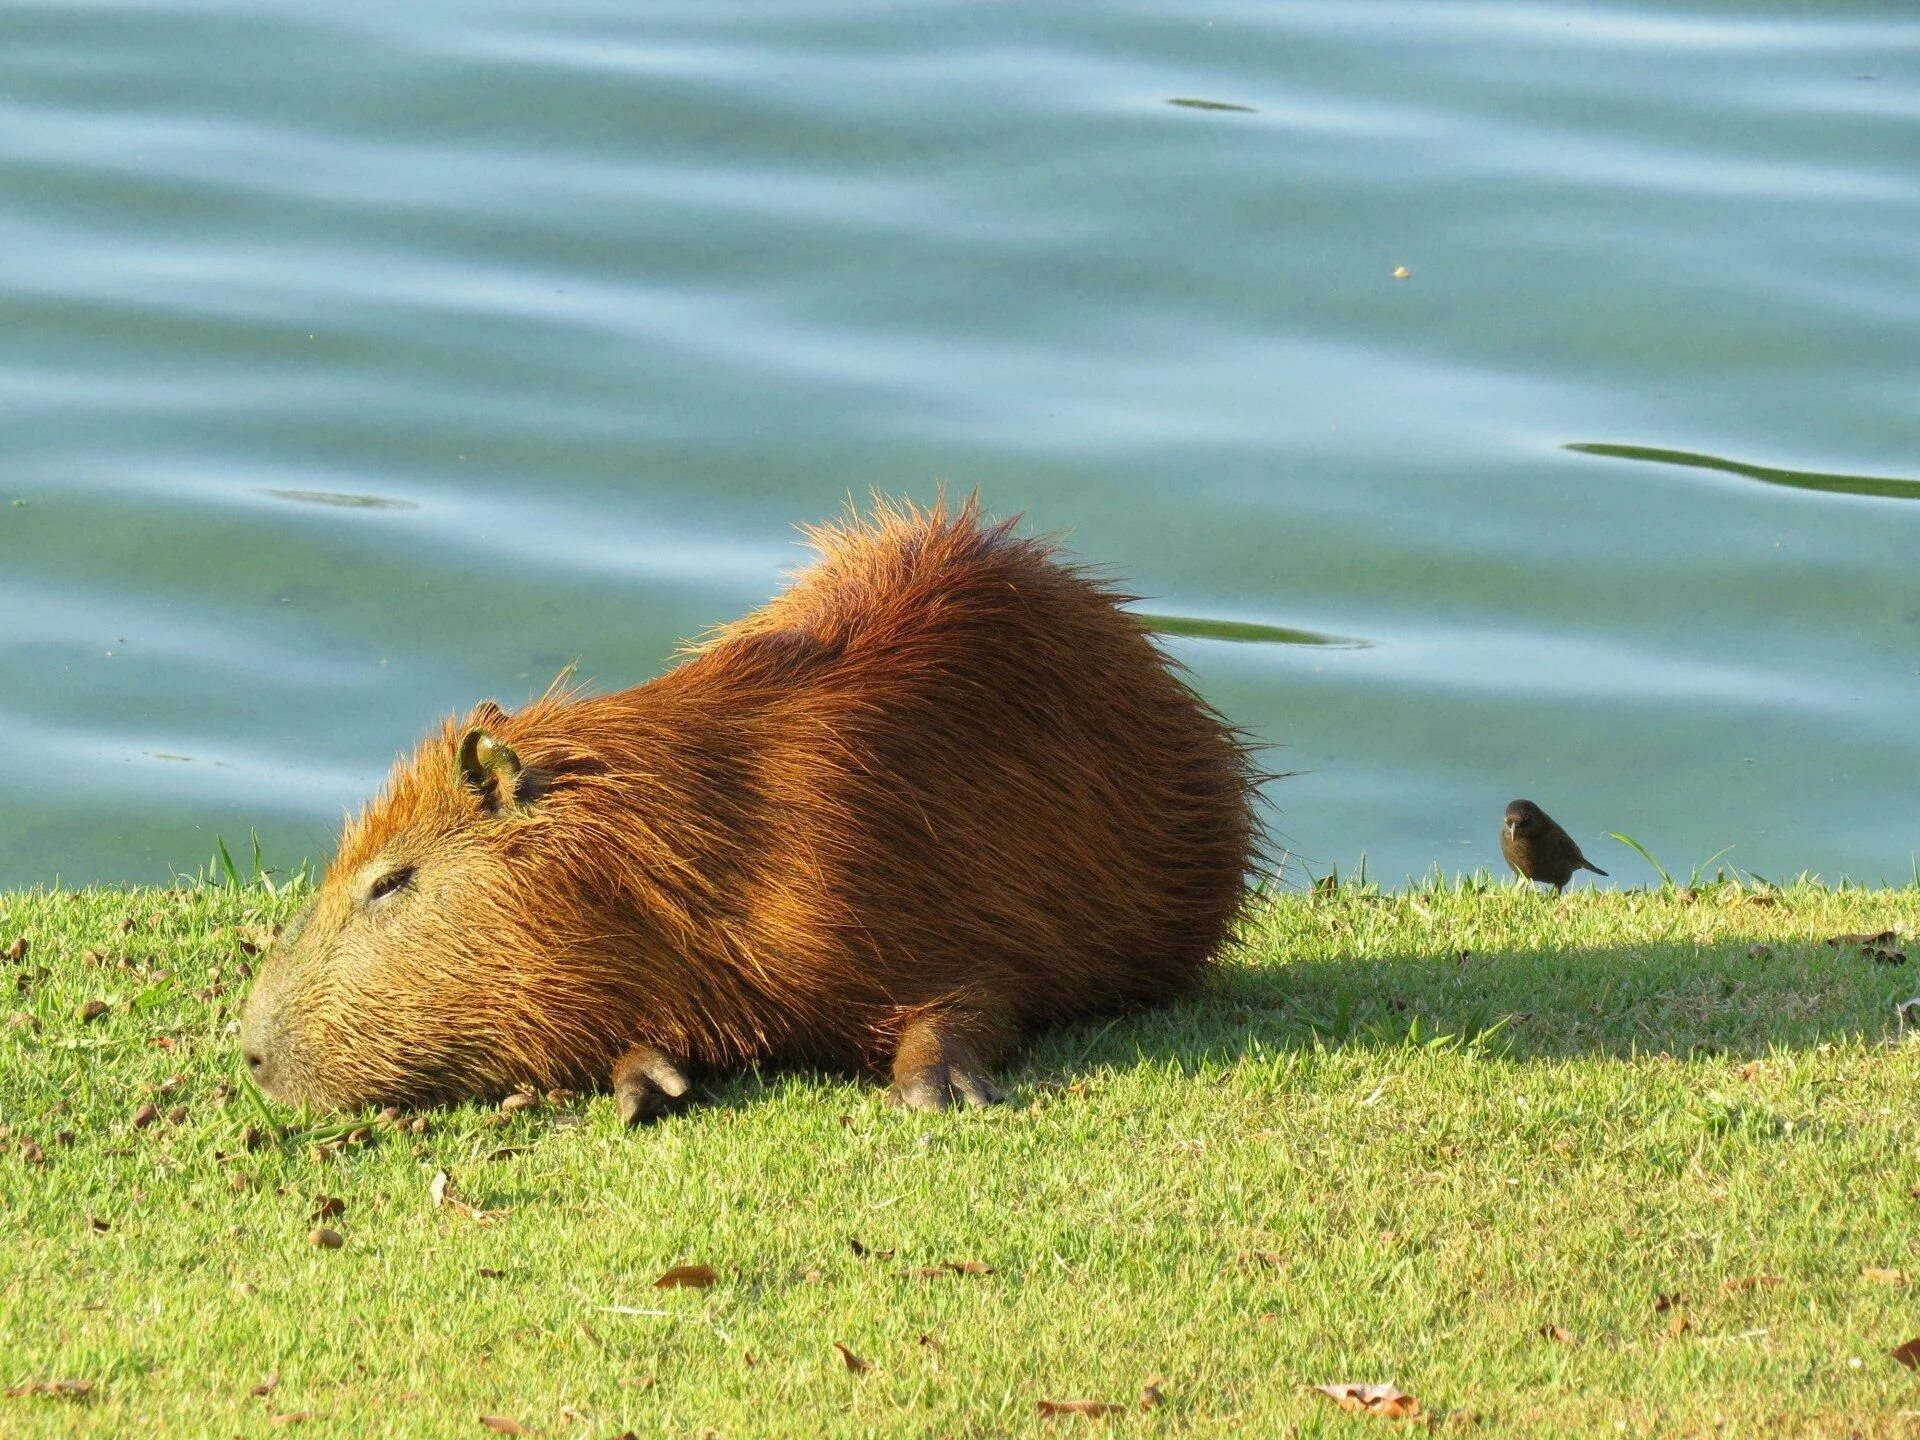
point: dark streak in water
(1192, 104)
(1885, 487)
(342, 501)
(1245, 632)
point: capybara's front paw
(647, 1085)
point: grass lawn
(1406, 1137)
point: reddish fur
(943, 772)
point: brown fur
(942, 787)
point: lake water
(361, 361)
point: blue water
(363, 361)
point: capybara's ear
(490, 769)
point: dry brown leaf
(519, 1100)
(1884, 1277)
(1748, 1071)
(1750, 1282)
(1559, 1335)
(1873, 937)
(1150, 1396)
(1907, 1354)
(93, 1009)
(326, 1239)
(290, 1417)
(855, 1365)
(1664, 1302)
(268, 1385)
(1081, 1407)
(1253, 1258)
(17, 951)
(63, 1389)
(687, 1277)
(967, 1267)
(502, 1425)
(438, 1187)
(486, 1273)
(99, 1225)
(1678, 1324)
(1386, 1400)
(328, 1207)
(863, 1250)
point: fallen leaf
(63, 1389)
(1081, 1407)
(485, 1274)
(268, 1385)
(1666, 1302)
(687, 1277)
(1559, 1335)
(1260, 1257)
(967, 1267)
(291, 1417)
(327, 1207)
(930, 1342)
(1907, 1354)
(1386, 1400)
(1748, 1070)
(1678, 1324)
(1884, 1277)
(1759, 952)
(1876, 937)
(1885, 957)
(17, 951)
(519, 1100)
(99, 1226)
(501, 1425)
(326, 1239)
(863, 1251)
(438, 1186)
(1750, 1282)
(1150, 1396)
(93, 1009)
(853, 1362)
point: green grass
(1404, 1133)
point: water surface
(358, 362)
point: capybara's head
(433, 962)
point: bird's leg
(647, 1083)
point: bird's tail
(1586, 864)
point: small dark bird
(1538, 848)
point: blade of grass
(1645, 854)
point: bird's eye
(388, 883)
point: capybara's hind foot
(647, 1084)
(941, 1063)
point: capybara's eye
(389, 882)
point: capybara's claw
(944, 1087)
(647, 1085)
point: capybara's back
(939, 793)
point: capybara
(939, 793)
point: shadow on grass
(1745, 993)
